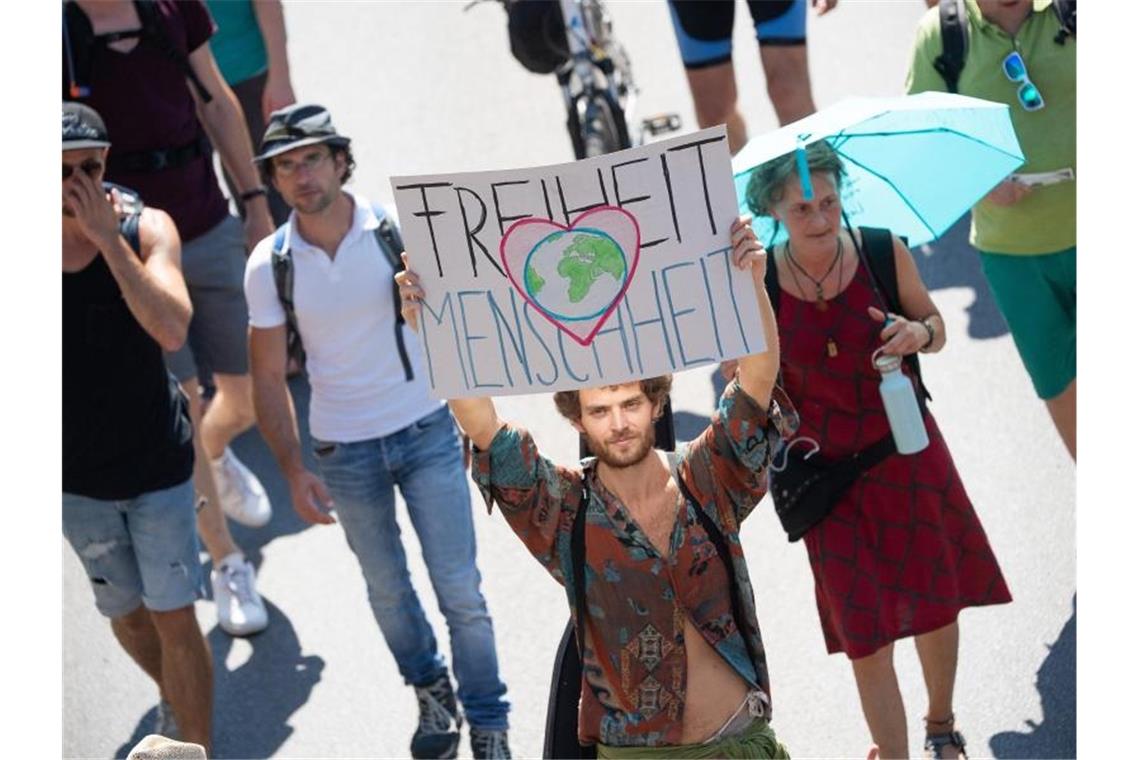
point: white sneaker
(240, 609)
(241, 493)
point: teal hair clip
(802, 166)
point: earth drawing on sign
(574, 276)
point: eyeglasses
(289, 167)
(90, 167)
(1027, 94)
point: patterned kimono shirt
(634, 670)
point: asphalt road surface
(424, 87)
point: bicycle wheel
(603, 127)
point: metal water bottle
(901, 405)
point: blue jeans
(425, 461)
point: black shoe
(437, 735)
(491, 745)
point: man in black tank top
(128, 503)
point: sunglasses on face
(1027, 93)
(288, 167)
(90, 167)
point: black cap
(83, 128)
(297, 126)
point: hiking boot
(437, 735)
(242, 496)
(164, 723)
(491, 745)
(240, 609)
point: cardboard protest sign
(591, 273)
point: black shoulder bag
(805, 487)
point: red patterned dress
(902, 552)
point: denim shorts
(140, 550)
(213, 265)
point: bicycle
(592, 69)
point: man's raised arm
(478, 418)
(757, 372)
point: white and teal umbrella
(915, 163)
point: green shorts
(1037, 296)
(757, 742)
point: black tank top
(126, 426)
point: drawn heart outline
(608, 219)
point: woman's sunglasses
(1027, 94)
(90, 167)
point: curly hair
(656, 388)
(265, 167)
(766, 186)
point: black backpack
(391, 245)
(877, 254)
(956, 39)
(79, 43)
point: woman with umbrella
(901, 551)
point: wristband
(249, 195)
(929, 334)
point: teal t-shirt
(237, 46)
(1045, 221)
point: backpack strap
(281, 258)
(878, 252)
(955, 41)
(392, 245)
(772, 282)
(154, 30)
(578, 565)
(721, 544)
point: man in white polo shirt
(324, 281)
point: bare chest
(657, 518)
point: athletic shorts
(1037, 296)
(704, 29)
(213, 265)
(141, 550)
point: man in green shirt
(1026, 232)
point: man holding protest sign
(324, 281)
(673, 658)
(646, 543)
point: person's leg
(781, 34)
(230, 413)
(704, 37)
(187, 673)
(212, 527)
(136, 633)
(789, 87)
(1063, 409)
(221, 320)
(882, 702)
(1037, 295)
(434, 485)
(162, 529)
(714, 100)
(357, 477)
(938, 655)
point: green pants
(757, 741)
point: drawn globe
(575, 275)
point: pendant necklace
(820, 303)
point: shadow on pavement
(254, 701)
(1056, 734)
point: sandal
(946, 736)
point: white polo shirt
(346, 317)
